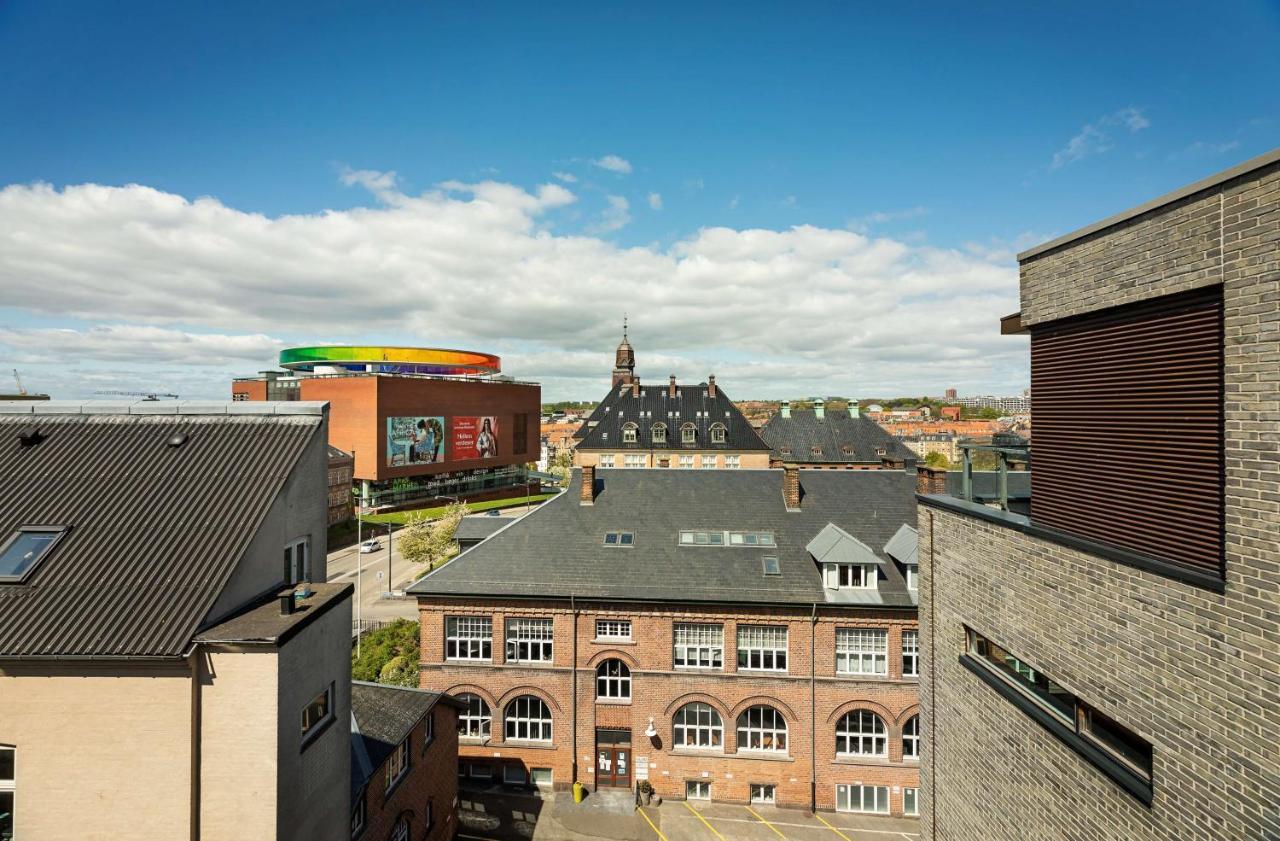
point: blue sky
(941, 138)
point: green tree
(389, 654)
(430, 542)
(562, 466)
(937, 459)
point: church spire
(624, 360)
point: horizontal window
(698, 646)
(619, 538)
(468, 638)
(613, 629)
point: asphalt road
(372, 580)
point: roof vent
(177, 439)
(31, 438)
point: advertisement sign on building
(475, 437)
(415, 440)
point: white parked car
(370, 546)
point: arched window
(698, 725)
(911, 738)
(762, 728)
(528, 720)
(861, 733)
(688, 434)
(659, 433)
(629, 433)
(474, 720)
(717, 433)
(613, 681)
(401, 830)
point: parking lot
(687, 821)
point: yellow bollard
(579, 792)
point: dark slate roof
(558, 550)
(337, 454)
(381, 717)
(263, 623)
(155, 530)
(690, 405)
(986, 484)
(478, 528)
(835, 432)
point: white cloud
(615, 217)
(1097, 137)
(566, 177)
(371, 179)
(733, 202)
(862, 224)
(1203, 149)
(613, 163)
(789, 201)
(655, 201)
(166, 292)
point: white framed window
(911, 738)
(632, 461)
(474, 720)
(717, 433)
(605, 460)
(529, 640)
(613, 681)
(480, 772)
(910, 802)
(707, 461)
(732, 462)
(513, 775)
(762, 728)
(913, 576)
(468, 638)
(629, 433)
(397, 764)
(861, 733)
(686, 462)
(850, 576)
(697, 725)
(297, 561)
(910, 653)
(697, 790)
(317, 714)
(862, 651)
(428, 730)
(762, 647)
(8, 789)
(613, 629)
(528, 720)
(751, 538)
(698, 646)
(688, 434)
(659, 433)
(702, 538)
(874, 799)
(429, 814)
(766, 793)
(401, 831)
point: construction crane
(22, 391)
(145, 395)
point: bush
(389, 655)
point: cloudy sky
(826, 202)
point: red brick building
(403, 747)
(742, 636)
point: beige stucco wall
(99, 756)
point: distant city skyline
(827, 202)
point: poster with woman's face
(415, 440)
(475, 438)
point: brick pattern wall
(658, 690)
(1192, 671)
(432, 778)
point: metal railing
(1011, 450)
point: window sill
(766, 755)
(529, 664)
(316, 732)
(1126, 779)
(474, 740)
(707, 751)
(614, 702)
(523, 744)
(864, 675)
(395, 784)
(608, 641)
(855, 759)
(707, 669)
(782, 672)
(469, 661)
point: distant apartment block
(1019, 405)
(922, 446)
(166, 670)
(1104, 665)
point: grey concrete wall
(1195, 672)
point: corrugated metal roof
(155, 530)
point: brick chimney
(671, 387)
(891, 463)
(711, 386)
(635, 387)
(791, 487)
(931, 480)
(588, 485)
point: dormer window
(717, 433)
(688, 434)
(847, 450)
(628, 433)
(817, 451)
(913, 577)
(659, 433)
(849, 576)
(25, 549)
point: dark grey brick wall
(1196, 673)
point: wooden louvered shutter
(1127, 437)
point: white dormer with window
(629, 431)
(688, 434)
(659, 433)
(846, 562)
(717, 433)
(849, 576)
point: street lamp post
(359, 546)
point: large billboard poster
(415, 440)
(475, 437)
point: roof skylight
(25, 549)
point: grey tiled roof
(842, 439)
(478, 528)
(558, 550)
(155, 530)
(381, 717)
(986, 484)
(692, 404)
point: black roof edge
(636, 600)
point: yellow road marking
(766, 823)
(704, 821)
(650, 823)
(832, 828)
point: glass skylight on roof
(26, 548)
(619, 538)
(771, 566)
(722, 538)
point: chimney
(931, 480)
(785, 409)
(819, 408)
(588, 485)
(635, 387)
(671, 387)
(791, 487)
(286, 605)
(711, 386)
(891, 463)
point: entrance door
(613, 758)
